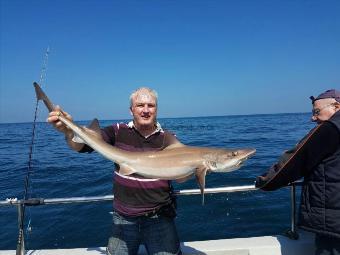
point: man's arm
(171, 142)
(321, 145)
(300, 161)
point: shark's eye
(234, 153)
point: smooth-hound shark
(173, 163)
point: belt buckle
(150, 214)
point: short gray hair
(151, 91)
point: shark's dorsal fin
(94, 125)
(200, 177)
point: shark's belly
(166, 172)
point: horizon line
(183, 117)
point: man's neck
(145, 130)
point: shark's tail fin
(42, 96)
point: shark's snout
(244, 155)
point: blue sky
(205, 58)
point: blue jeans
(158, 233)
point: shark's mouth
(240, 163)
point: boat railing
(291, 233)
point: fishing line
(20, 244)
(28, 184)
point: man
(144, 209)
(317, 159)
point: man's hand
(58, 125)
(53, 118)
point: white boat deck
(264, 245)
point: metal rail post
(292, 233)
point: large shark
(176, 162)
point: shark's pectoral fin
(77, 139)
(200, 177)
(174, 146)
(125, 170)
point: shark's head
(228, 160)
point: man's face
(144, 109)
(323, 109)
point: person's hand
(264, 178)
(54, 120)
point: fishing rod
(21, 208)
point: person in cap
(316, 158)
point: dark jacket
(317, 159)
(320, 198)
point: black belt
(152, 213)
(167, 210)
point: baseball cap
(331, 93)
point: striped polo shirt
(135, 195)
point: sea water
(58, 172)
